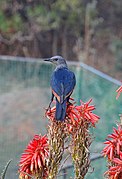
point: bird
(62, 84)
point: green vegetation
(78, 30)
(116, 48)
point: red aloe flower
(115, 172)
(114, 145)
(113, 151)
(109, 149)
(119, 91)
(84, 111)
(33, 160)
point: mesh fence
(24, 95)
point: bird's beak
(47, 59)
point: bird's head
(57, 60)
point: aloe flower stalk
(81, 141)
(33, 160)
(56, 137)
(79, 120)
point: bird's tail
(60, 110)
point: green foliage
(60, 13)
(11, 24)
(92, 13)
(5, 170)
(116, 48)
(54, 14)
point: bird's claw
(69, 103)
(48, 109)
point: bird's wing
(70, 84)
(62, 83)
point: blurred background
(89, 35)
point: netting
(24, 95)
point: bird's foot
(48, 109)
(69, 103)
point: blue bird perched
(62, 83)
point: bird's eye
(56, 59)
